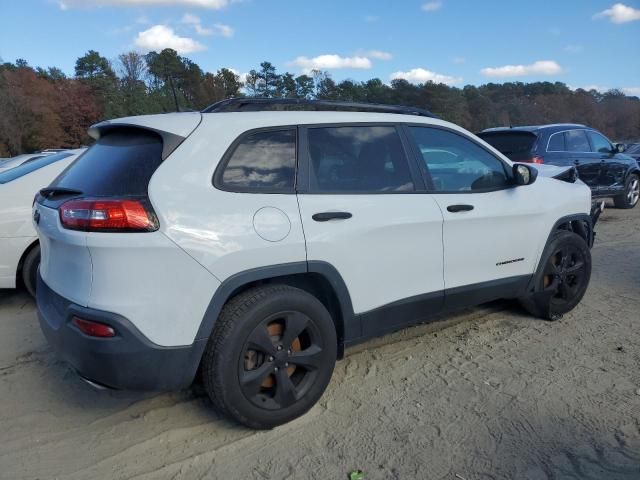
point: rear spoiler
(170, 141)
(173, 128)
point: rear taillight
(93, 329)
(535, 159)
(112, 215)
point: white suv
(253, 245)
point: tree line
(43, 107)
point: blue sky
(583, 43)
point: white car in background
(12, 162)
(19, 248)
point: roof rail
(297, 104)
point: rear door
(362, 213)
(490, 231)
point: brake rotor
(275, 331)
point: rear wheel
(562, 278)
(631, 195)
(270, 357)
(30, 270)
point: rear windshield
(118, 164)
(511, 144)
(31, 165)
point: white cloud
(432, 6)
(619, 13)
(331, 61)
(223, 30)
(573, 48)
(379, 55)
(159, 37)
(212, 4)
(541, 67)
(218, 28)
(633, 91)
(421, 75)
(195, 22)
(458, 60)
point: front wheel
(562, 278)
(271, 355)
(631, 194)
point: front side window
(599, 143)
(262, 162)
(576, 141)
(556, 143)
(358, 159)
(456, 163)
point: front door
(491, 228)
(587, 162)
(612, 165)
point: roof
(244, 104)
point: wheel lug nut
(275, 369)
(271, 359)
(279, 347)
(288, 352)
(286, 364)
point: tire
(629, 198)
(270, 356)
(30, 270)
(562, 277)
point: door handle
(459, 208)
(326, 216)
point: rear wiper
(51, 192)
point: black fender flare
(350, 324)
(588, 235)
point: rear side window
(262, 162)
(515, 145)
(118, 164)
(556, 143)
(576, 141)
(456, 164)
(358, 159)
(31, 165)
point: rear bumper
(129, 361)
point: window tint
(118, 164)
(456, 163)
(576, 141)
(263, 161)
(556, 143)
(31, 166)
(358, 159)
(599, 143)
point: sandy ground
(489, 394)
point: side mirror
(619, 148)
(524, 174)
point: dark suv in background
(600, 164)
